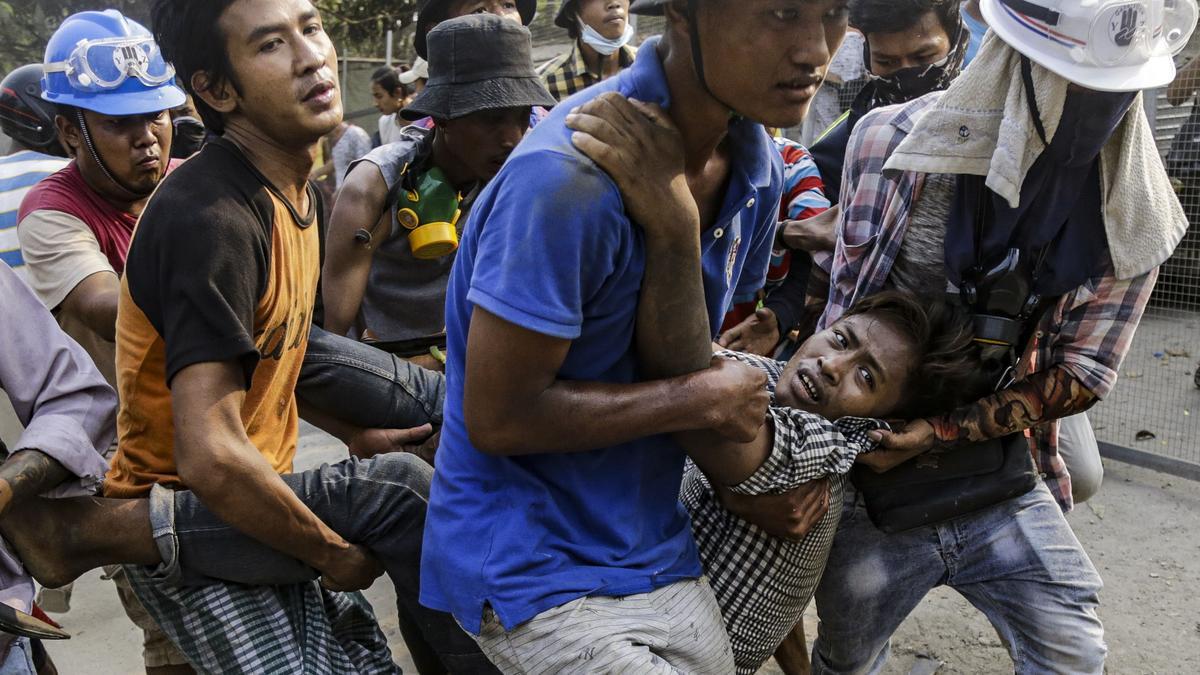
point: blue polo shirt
(549, 248)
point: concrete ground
(1140, 531)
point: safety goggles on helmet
(1108, 32)
(100, 65)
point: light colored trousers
(674, 629)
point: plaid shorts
(233, 628)
(157, 650)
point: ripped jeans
(1018, 562)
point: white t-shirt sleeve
(59, 251)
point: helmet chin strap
(693, 13)
(87, 141)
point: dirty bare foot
(59, 539)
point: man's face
(768, 57)
(924, 43)
(504, 8)
(385, 103)
(607, 17)
(483, 140)
(135, 148)
(858, 367)
(286, 69)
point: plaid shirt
(761, 582)
(1088, 332)
(568, 73)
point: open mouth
(322, 92)
(810, 385)
(801, 86)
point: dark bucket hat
(565, 18)
(649, 7)
(478, 62)
(430, 12)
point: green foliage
(26, 25)
(358, 27)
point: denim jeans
(19, 659)
(1018, 562)
(367, 387)
(378, 503)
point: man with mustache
(74, 226)
(601, 32)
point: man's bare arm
(218, 462)
(515, 404)
(94, 301)
(640, 148)
(360, 205)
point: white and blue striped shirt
(19, 172)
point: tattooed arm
(1086, 351)
(1041, 397)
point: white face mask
(601, 44)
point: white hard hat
(1106, 45)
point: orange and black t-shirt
(221, 268)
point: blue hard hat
(109, 64)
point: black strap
(693, 12)
(1043, 14)
(1027, 77)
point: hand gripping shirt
(549, 247)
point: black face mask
(1089, 119)
(907, 84)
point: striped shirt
(803, 189)
(763, 583)
(1088, 332)
(568, 73)
(19, 172)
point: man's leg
(674, 629)
(1022, 566)
(378, 503)
(367, 387)
(872, 581)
